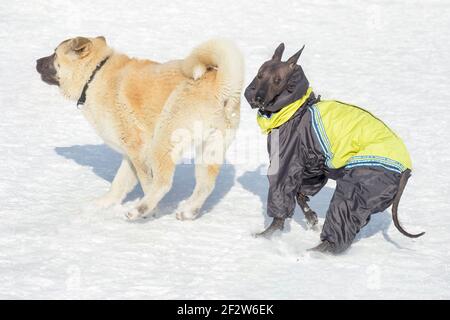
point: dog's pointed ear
(292, 61)
(81, 46)
(101, 38)
(278, 52)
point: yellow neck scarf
(277, 119)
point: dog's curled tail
(403, 180)
(222, 55)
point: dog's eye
(277, 80)
(259, 76)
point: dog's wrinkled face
(272, 79)
(70, 61)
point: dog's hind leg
(143, 172)
(210, 155)
(163, 169)
(362, 191)
(205, 178)
(124, 181)
(156, 168)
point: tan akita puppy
(150, 112)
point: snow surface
(388, 56)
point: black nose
(39, 63)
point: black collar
(82, 98)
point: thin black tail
(403, 180)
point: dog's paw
(132, 215)
(311, 218)
(141, 211)
(187, 214)
(187, 211)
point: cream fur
(138, 106)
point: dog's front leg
(277, 224)
(124, 181)
(310, 215)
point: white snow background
(391, 57)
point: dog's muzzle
(45, 67)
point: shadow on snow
(105, 162)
